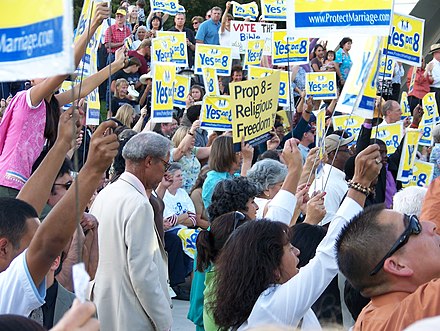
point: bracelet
(358, 187)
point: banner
(289, 50)
(213, 56)
(247, 10)
(241, 32)
(365, 103)
(351, 124)
(273, 10)
(254, 104)
(408, 156)
(323, 17)
(358, 75)
(254, 53)
(160, 50)
(36, 39)
(421, 175)
(321, 85)
(320, 132)
(177, 47)
(258, 72)
(162, 93)
(405, 40)
(404, 105)
(210, 80)
(430, 113)
(386, 71)
(170, 7)
(390, 134)
(216, 113)
(182, 87)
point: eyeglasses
(194, 23)
(166, 164)
(65, 185)
(414, 227)
(238, 216)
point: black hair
(52, 118)
(306, 237)
(13, 216)
(344, 41)
(193, 113)
(154, 18)
(9, 322)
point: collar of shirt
(135, 182)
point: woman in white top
(225, 31)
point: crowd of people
(271, 235)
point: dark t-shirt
(116, 103)
(131, 78)
(317, 62)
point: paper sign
(273, 10)
(210, 80)
(247, 10)
(288, 50)
(177, 47)
(254, 52)
(241, 32)
(213, 56)
(408, 156)
(216, 113)
(181, 90)
(258, 72)
(162, 93)
(321, 85)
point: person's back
(129, 250)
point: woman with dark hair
(30, 121)
(155, 25)
(318, 58)
(224, 162)
(209, 245)
(343, 61)
(234, 194)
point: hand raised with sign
(417, 115)
(367, 165)
(102, 12)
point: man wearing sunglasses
(392, 258)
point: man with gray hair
(409, 200)
(131, 283)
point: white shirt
(279, 209)
(18, 293)
(225, 40)
(288, 303)
(336, 189)
(436, 74)
(177, 204)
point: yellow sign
(320, 132)
(430, 112)
(216, 113)
(253, 53)
(162, 94)
(247, 10)
(170, 7)
(213, 56)
(254, 104)
(321, 85)
(421, 175)
(177, 47)
(181, 90)
(408, 155)
(405, 40)
(404, 105)
(258, 72)
(287, 50)
(365, 103)
(413, 80)
(358, 75)
(321, 17)
(390, 134)
(351, 124)
(210, 80)
(386, 67)
(273, 10)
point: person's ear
(394, 266)
(5, 248)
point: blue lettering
(163, 93)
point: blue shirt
(208, 32)
(212, 178)
(344, 61)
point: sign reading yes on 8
(405, 41)
(390, 134)
(321, 85)
(177, 47)
(162, 94)
(287, 50)
(213, 56)
(258, 72)
(216, 113)
(170, 7)
(351, 124)
(273, 10)
(181, 90)
(210, 80)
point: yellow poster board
(216, 113)
(213, 56)
(321, 85)
(162, 93)
(408, 156)
(289, 50)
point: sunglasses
(65, 185)
(166, 164)
(195, 23)
(414, 227)
(238, 217)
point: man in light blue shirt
(208, 30)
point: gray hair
(387, 106)
(409, 200)
(267, 173)
(146, 144)
(436, 134)
(174, 167)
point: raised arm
(37, 189)
(225, 17)
(58, 227)
(46, 88)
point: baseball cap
(332, 141)
(121, 11)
